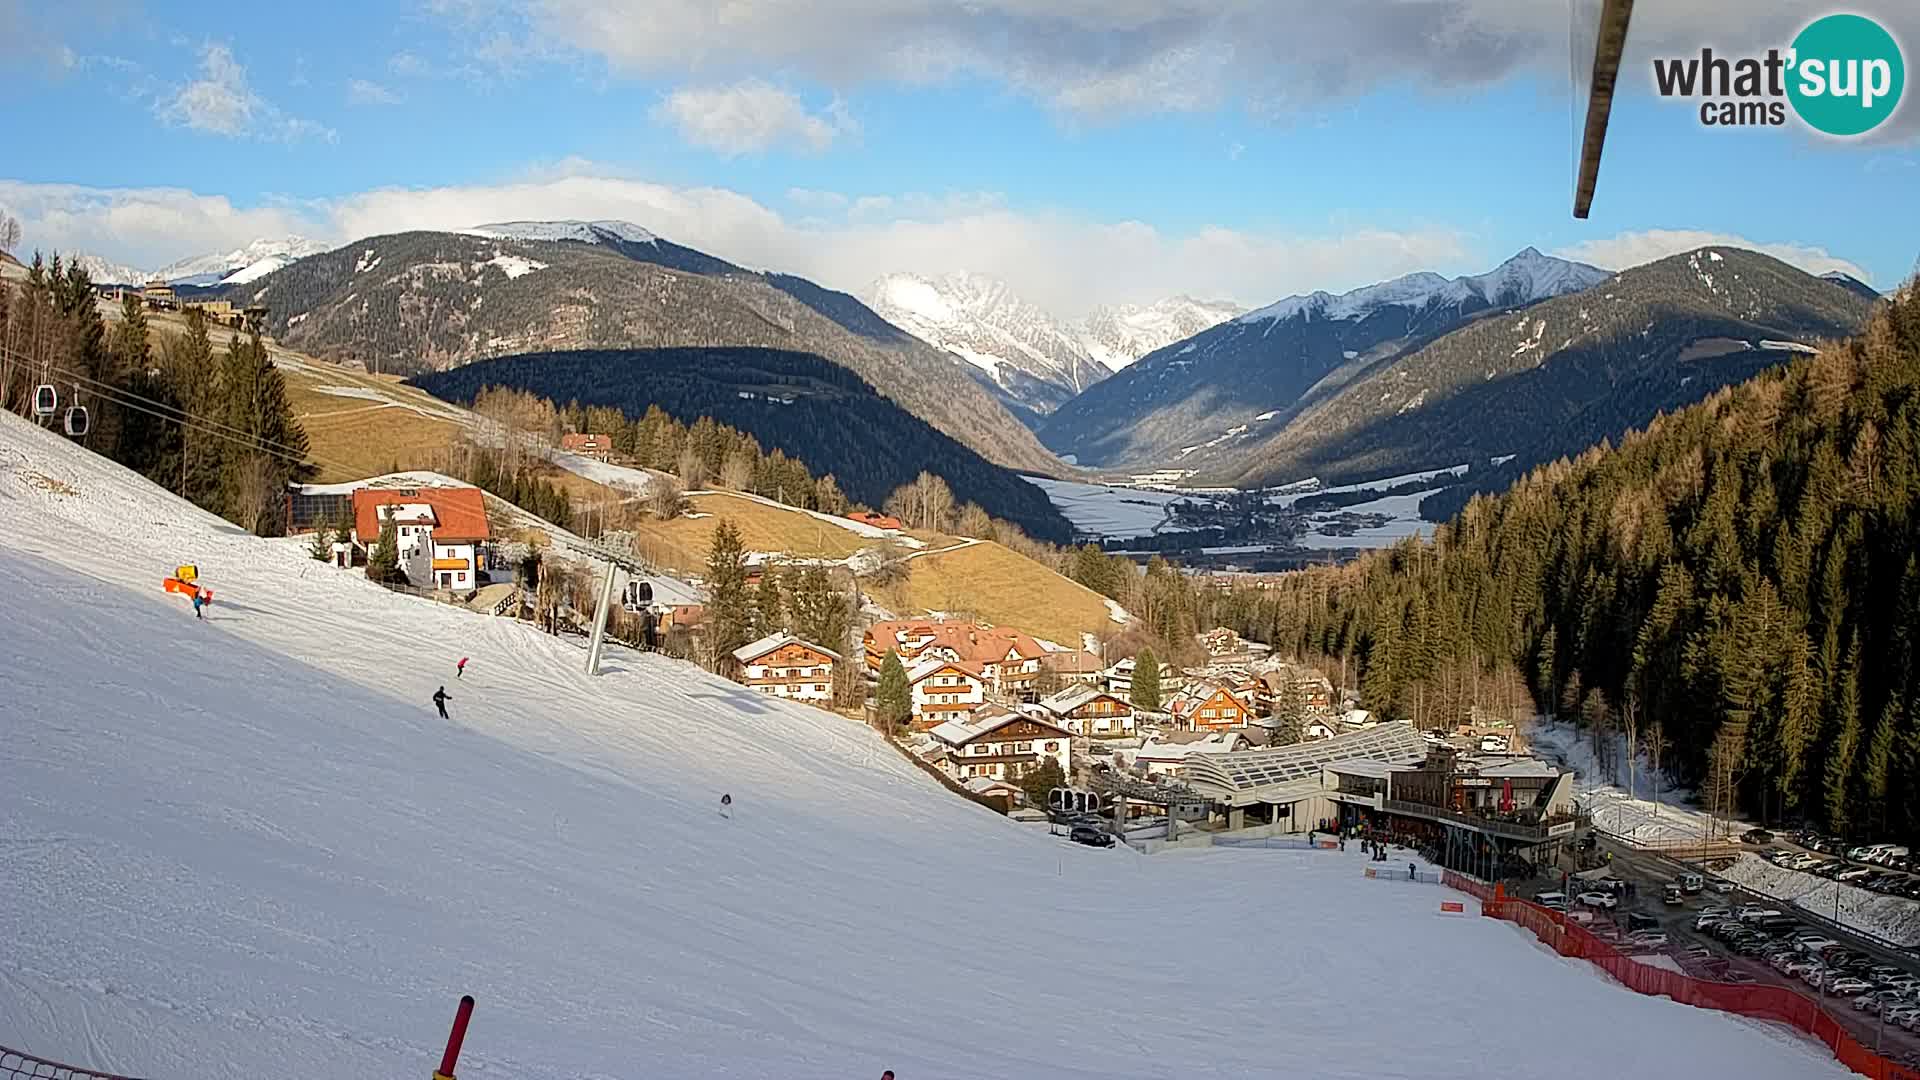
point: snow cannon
(188, 572)
(187, 587)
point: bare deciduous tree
(253, 492)
(665, 499)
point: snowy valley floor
(247, 847)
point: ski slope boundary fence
(15, 1065)
(1775, 1003)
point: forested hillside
(816, 412)
(1559, 376)
(1738, 583)
(424, 301)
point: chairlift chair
(637, 596)
(45, 400)
(76, 420)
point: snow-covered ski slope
(248, 847)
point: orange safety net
(1777, 1003)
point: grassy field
(380, 422)
(683, 542)
(352, 437)
(1002, 587)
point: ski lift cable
(106, 389)
(190, 421)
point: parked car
(1671, 894)
(1692, 883)
(1903, 1015)
(1753, 913)
(1878, 1001)
(1848, 985)
(1647, 938)
(1555, 900)
(1598, 899)
(1756, 836)
(1090, 836)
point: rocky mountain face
(1021, 349)
(1555, 377)
(1117, 336)
(425, 301)
(1199, 401)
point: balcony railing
(1511, 830)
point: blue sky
(1086, 152)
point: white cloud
(1061, 260)
(221, 102)
(751, 116)
(1636, 248)
(362, 92)
(1106, 56)
(140, 226)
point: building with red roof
(442, 532)
(1009, 661)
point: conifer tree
(1846, 739)
(895, 698)
(1146, 681)
(769, 611)
(729, 608)
(383, 562)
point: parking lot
(1872, 989)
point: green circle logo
(1847, 75)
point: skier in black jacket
(440, 699)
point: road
(1649, 871)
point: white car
(1598, 900)
(1647, 938)
(1848, 985)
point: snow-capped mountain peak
(1021, 348)
(585, 232)
(217, 267)
(256, 259)
(1118, 335)
(1523, 279)
(107, 272)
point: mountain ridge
(421, 301)
(1556, 376)
(1187, 400)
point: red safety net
(15, 1065)
(1776, 1003)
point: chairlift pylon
(77, 425)
(46, 400)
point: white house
(781, 665)
(944, 690)
(1091, 711)
(1119, 679)
(1170, 758)
(440, 533)
(1002, 745)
